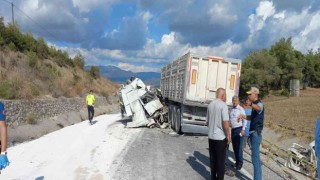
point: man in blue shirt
(3, 137)
(256, 126)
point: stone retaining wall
(18, 111)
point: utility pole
(12, 14)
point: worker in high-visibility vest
(3, 138)
(90, 105)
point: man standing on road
(238, 124)
(256, 126)
(3, 137)
(90, 105)
(219, 133)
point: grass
(293, 116)
(26, 76)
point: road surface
(107, 150)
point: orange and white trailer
(189, 84)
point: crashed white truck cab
(143, 105)
(189, 84)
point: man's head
(91, 91)
(235, 101)
(253, 94)
(221, 94)
(245, 102)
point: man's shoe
(238, 167)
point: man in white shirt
(219, 133)
(238, 124)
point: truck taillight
(232, 80)
(194, 76)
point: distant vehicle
(189, 84)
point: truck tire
(169, 114)
(177, 126)
(173, 116)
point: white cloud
(147, 16)
(133, 68)
(265, 9)
(308, 38)
(86, 6)
(220, 13)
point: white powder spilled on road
(79, 151)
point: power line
(7, 1)
(44, 29)
(36, 23)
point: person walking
(245, 103)
(90, 99)
(4, 162)
(256, 126)
(317, 144)
(238, 124)
(219, 136)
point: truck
(189, 83)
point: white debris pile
(145, 106)
(303, 160)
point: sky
(145, 35)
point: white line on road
(243, 171)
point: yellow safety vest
(90, 99)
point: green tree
(79, 61)
(312, 69)
(42, 48)
(260, 69)
(289, 60)
(94, 72)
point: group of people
(239, 125)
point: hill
(29, 68)
(121, 76)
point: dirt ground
(293, 117)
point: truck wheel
(178, 120)
(169, 114)
(173, 117)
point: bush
(12, 47)
(6, 91)
(31, 118)
(32, 59)
(285, 92)
(105, 94)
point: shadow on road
(198, 166)
(200, 163)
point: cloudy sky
(144, 35)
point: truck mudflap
(146, 106)
(191, 128)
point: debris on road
(303, 160)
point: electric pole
(12, 13)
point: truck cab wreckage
(145, 106)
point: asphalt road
(157, 155)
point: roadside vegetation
(271, 70)
(29, 68)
